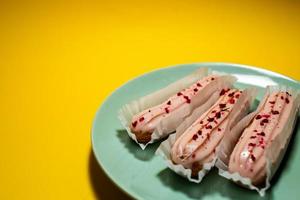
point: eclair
(248, 156)
(158, 114)
(144, 123)
(197, 144)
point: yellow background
(59, 60)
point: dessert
(261, 145)
(194, 145)
(160, 113)
(144, 123)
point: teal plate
(143, 175)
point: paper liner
(274, 153)
(165, 147)
(170, 123)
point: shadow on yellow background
(101, 185)
(59, 60)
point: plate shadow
(211, 185)
(102, 186)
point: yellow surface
(59, 60)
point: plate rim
(201, 64)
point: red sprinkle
(275, 112)
(222, 105)
(261, 133)
(134, 124)
(218, 115)
(195, 136)
(266, 116)
(222, 92)
(199, 85)
(258, 117)
(231, 101)
(255, 130)
(281, 97)
(193, 156)
(287, 100)
(208, 127)
(251, 170)
(213, 111)
(210, 119)
(237, 95)
(141, 119)
(231, 94)
(167, 110)
(199, 132)
(215, 121)
(187, 99)
(179, 94)
(253, 157)
(264, 121)
(201, 122)
(252, 144)
(169, 102)
(195, 90)
(219, 129)
(271, 102)
(252, 137)
(212, 79)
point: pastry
(157, 115)
(191, 152)
(253, 154)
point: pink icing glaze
(248, 157)
(198, 142)
(147, 120)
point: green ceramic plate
(144, 175)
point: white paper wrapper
(274, 153)
(170, 123)
(238, 112)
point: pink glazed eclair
(248, 157)
(144, 123)
(197, 144)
